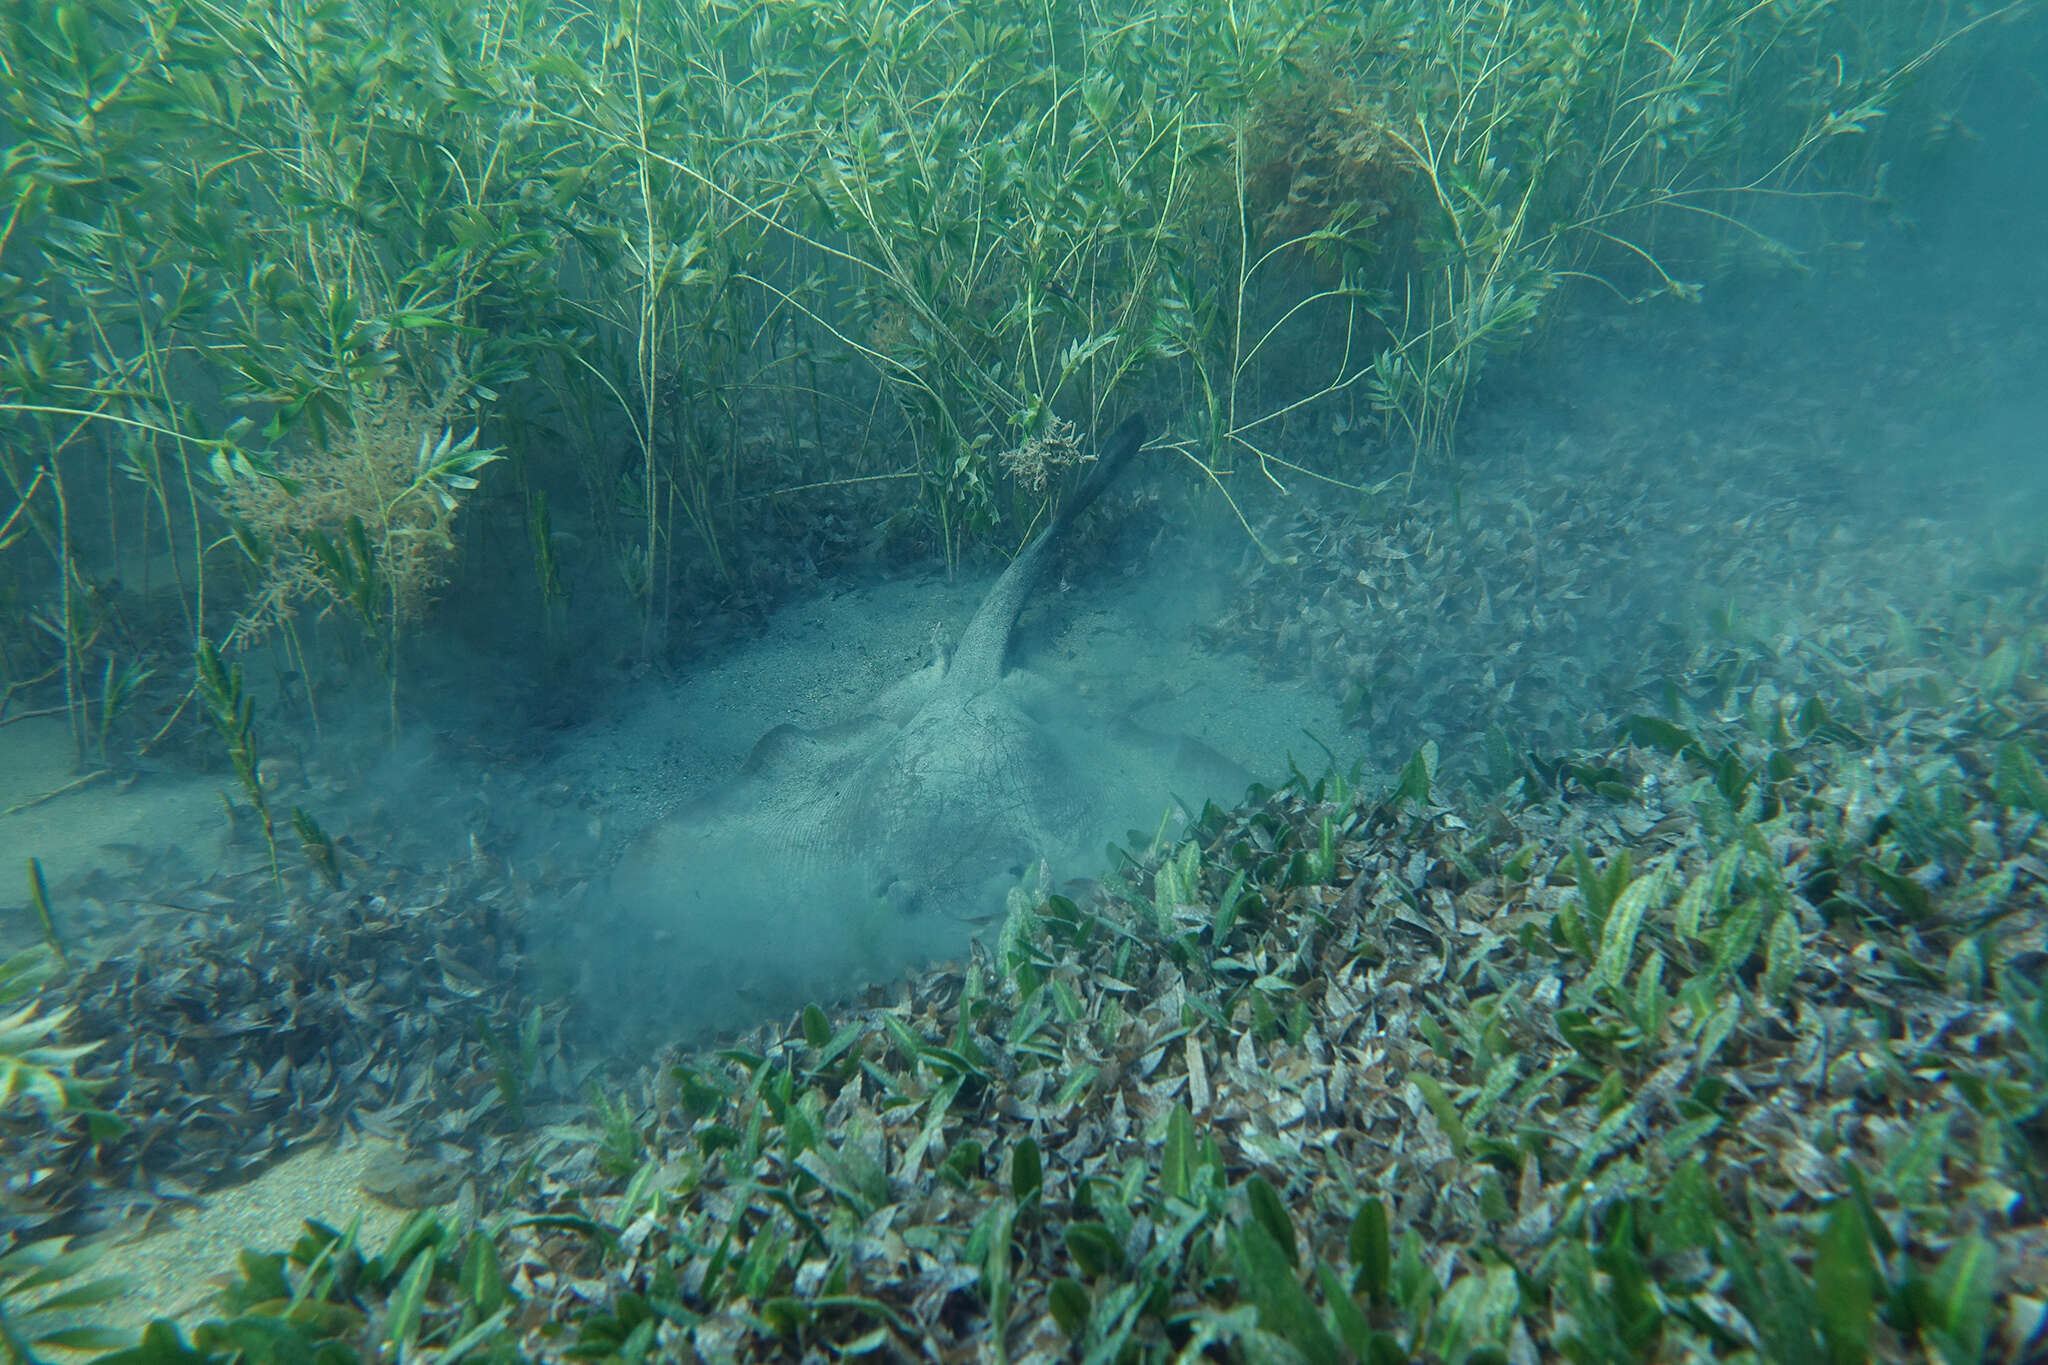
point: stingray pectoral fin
(1218, 774)
(771, 747)
(905, 698)
(653, 868)
(1221, 775)
(788, 745)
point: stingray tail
(1123, 443)
(978, 662)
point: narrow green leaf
(1372, 1250)
(1716, 1028)
(1784, 955)
(402, 1321)
(843, 1042)
(1845, 1284)
(964, 1161)
(1907, 894)
(1685, 1218)
(1735, 939)
(1652, 732)
(1624, 922)
(476, 1336)
(39, 901)
(87, 1337)
(1352, 1327)
(1094, 1248)
(1445, 1111)
(1859, 1189)
(90, 1294)
(908, 1043)
(994, 1234)
(1271, 1214)
(1076, 1086)
(1962, 1297)
(1416, 775)
(2018, 780)
(482, 1281)
(1706, 896)
(1678, 1142)
(1176, 1162)
(1225, 918)
(1070, 1306)
(1266, 1276)
(817, 1030)
(1027, 1174)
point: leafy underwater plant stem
(513, 1061)
(39, 901)
(547, 570)
(318, 845)
(232, 711)
(646, 340)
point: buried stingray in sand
(868, 838)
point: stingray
(952, 786)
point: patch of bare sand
(87, 826)
(176, 1268)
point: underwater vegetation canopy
(278, 281)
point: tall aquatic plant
(96, 439)
(673, 209)
(1622, 143)
(677, 259)
(285, 208)
(364, 528)
(1001, 191)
